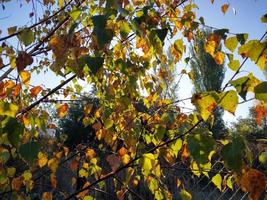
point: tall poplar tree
(208, 76)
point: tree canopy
(118, 47)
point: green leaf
(229, 101)
(185, 195)
(233, 152)
(234, 65)
(245, 84)
(264, 18)
(242, 38)
(217, 180)
(231, 43)
(102, 34)
(26, 36)
(29, 151)
(200, 147)
(263, 159)
(4, 155)
(161, 33)
(221, 32)
(8, 109)
(94, 63)
(201, 19)
(124, 29)
(261, 91)
(13, 129)
(108, 123)
(75, 14)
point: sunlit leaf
(219, 58)
(217, 180)
(25, 77)
(62, 110)
(36, 90)
(224, 8)
(42, 159)
(229, 101)
(234, 65)
(8, 109)
(231, 43)
(185, 195)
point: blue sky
(246, 20)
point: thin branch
(47, 95)
(40, 22)
(244, 61)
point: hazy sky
(245, 20)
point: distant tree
(72, 126)
(208, 76)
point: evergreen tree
(208, 76)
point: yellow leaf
(229, 182)
(88, 108)
(125, 159)
(25, 77)
(210, 47)
(42, 159)
(217, 180)
(8, 109)
(53, 164)
(11, 171)
(62, 110)
(47, 196)
(219, 58)
(224, 8)
(60, 3)
(90, 153)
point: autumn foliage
(118, 48)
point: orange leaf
(90, 153)
(16, 183)
(74, 165)
(224, 8)
(53, 180)
(184, 152)
(62, 110)
(25, 77)
(36, 90)
(219, 58)
(16, 90)
(47, 196)
(122, 151)
(261, 112)
(42, 159)
(252, 181)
